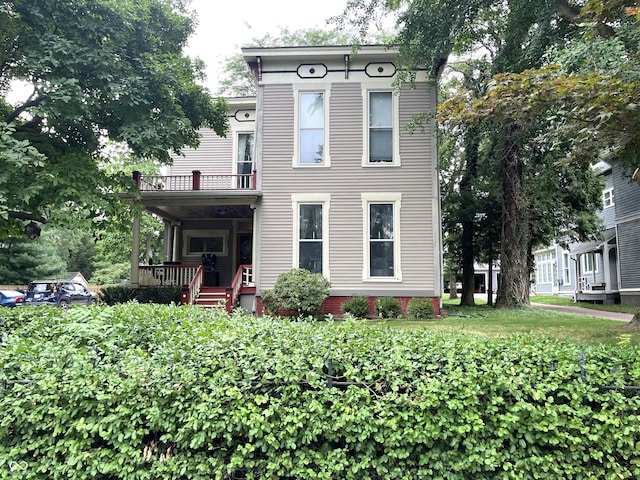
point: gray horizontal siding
(214, 156)
(626, 193)
(629, 253)
(345, 180)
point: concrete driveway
(623, 317)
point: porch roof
(594, 245)
(200, 204)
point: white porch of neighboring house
(208, 237)
(596, 270)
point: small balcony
(195, 181)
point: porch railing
(167, 275)
(243, 278)
(196, 181)
(587, 284)
(190, 293)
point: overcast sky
(225, 27)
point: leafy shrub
(159, 295)
(420, 308)
(152, 391)
(302, 291)
(270, 302)
(387, 307)
(114, 294)
(358, 306)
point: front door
(245, 249)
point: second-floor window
(382, 144)
(607, 198)
(311, 132)
(244, 165)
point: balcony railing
(196, 181)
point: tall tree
(91, 70)
(23, 260)
(512, 36)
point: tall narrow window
(311, 121)
(310, 237)
(607, 198)
(589, 263)
(380, 127)
(381, 240)
(244, 165)
(566, 269)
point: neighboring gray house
(319, 172)
(605, 270)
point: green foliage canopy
(91, 70)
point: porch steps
(212, 297)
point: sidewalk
(623, 317)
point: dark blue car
(60, 293)
(11, 298)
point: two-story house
(320, 171)
(604, 270)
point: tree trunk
(469, 209)
(635, 321)
(513, 288)
(453, 291)
(467, 299)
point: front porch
(191, 278)
(207, 242)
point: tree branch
(26, 216)
(32, 101)
(572, 14)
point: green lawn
(487, 321)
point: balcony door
(244, 162)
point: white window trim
(324, 199)
(236, 143)
(611, 198)
(325, 89)
(583, 263)
(381, 197)
(187, 234)
(566, 269)
(376, 87)
(546, 260)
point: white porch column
(167, 236)
(175, 242)
(135, 253)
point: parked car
(11, 298)
(61, 293)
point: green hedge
(148, 391)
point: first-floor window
(382, 247)
(566, 269)
(545, 264)
(311, 232)
(310, 238)
(588, 262)
(381, 240)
